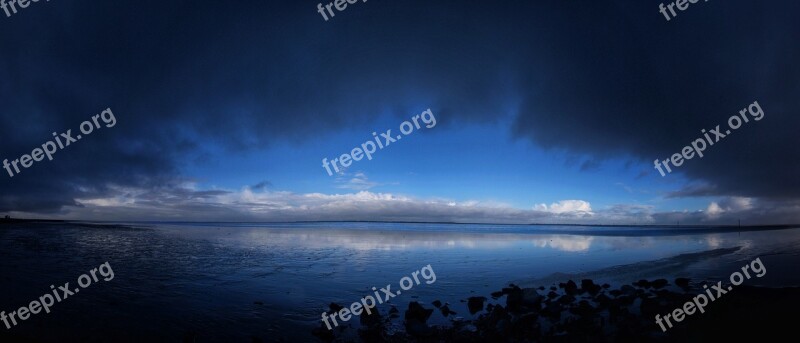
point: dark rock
(583, 309)
(626, 300)
(615, 307)
(323, 333)
(416, 311)
(514, 299)
(662, 293)
(509, 289)
(372, 320)
(571, 288)
(394, 312)
(498, 315)
(603, 300)
(446, 311)
(553, 311)
(682, 283)
(589, 286)
(418, 329)
(531, 298)
(370, 334)
(592, 315)
(652, 306)
(502, 327)
(553, 288)
(628, 290)
(526, 326)
(468, 329)
(566, 299)
(660, 283)
(475, 304)
(335, 307)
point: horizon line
(12, 220)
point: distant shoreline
(657, 226)
(16, 220)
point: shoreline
(646, 226)
(580, 312)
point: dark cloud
(623, 81)
(261, 186)
(694, 190)
(184, 74)
(601, 79)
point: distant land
(660, 226)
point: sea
(271, 282)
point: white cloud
(185, 202)
(566, 207)
(182, 203)
(714, 211)
(737, 204)
(729, 205)
(359, 182)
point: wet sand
(239, 282)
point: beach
(271, 282)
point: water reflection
(215, 273)
(403, 239)
(565, 243)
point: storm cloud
(600, 79)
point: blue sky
(483, 163)
(547, 112)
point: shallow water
(272, 281)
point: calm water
(232, 282)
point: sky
(545, 111)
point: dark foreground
(208, 282)
(587, 312)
